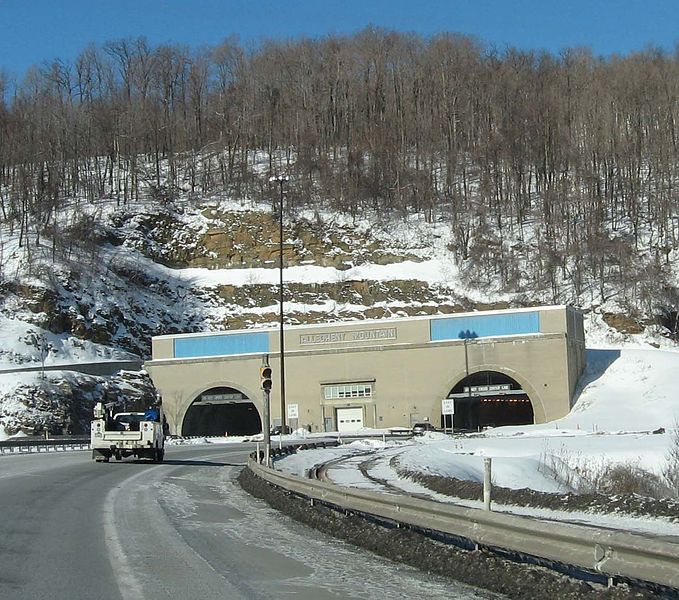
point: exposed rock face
(247, 240)
(623, 323)
(62, 403)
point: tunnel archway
(488, 399)
(221, 411)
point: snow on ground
(627, 413)
(627, 390)
(24, 344)
(626, 395)
(516, 463)
(431, 271)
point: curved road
(74, 529)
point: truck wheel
(99, 456)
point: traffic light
(265, 378)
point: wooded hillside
(557, 174)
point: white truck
(125, 434)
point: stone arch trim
(186, 402)
(535, 398)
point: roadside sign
(448, 406)
(293, 411)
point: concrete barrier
(100, 368)
(29, 445)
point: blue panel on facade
(478, 326)
(221, 345)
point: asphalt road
(74, 529)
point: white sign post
(447, 408)
(293, 416)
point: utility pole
(466, 368)
(281, 179)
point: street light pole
(469, 383)
(281, 179)
(466, 362)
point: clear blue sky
(33, 31)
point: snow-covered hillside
(200, 265)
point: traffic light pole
(266, 430)
(266, 424)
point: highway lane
(75, 529)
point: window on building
(348, 390)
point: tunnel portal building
(492, 368)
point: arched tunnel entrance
(220, 411)
(488, 399)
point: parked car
(281, 430)
(422, 428)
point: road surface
(74, 529)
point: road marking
(129, 586)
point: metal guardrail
(104, 367)
(613, 554)
(29, 445)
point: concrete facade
(396, 370)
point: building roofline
(153, 362)
(274, 327)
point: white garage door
(349, 419)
